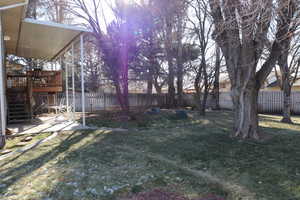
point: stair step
(13, 114)
(13, 111)
(19, 117)
(17, 109)
(13, 100)
(16, 105)
(16, 121)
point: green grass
(110, 165)
(166, 119)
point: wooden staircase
(18, 106)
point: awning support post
(73, 83)
(67, 84)
(2, 86)
(82, 79)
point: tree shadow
(109, 152)
(271, 119)
(12, 175)
(259, 166)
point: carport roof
(31, 38)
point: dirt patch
(159, 194)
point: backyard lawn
(193, 157)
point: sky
(105, 9)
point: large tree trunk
(286, 88)
(246, 112)
(286, 103)
(242, 52)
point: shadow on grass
(269, 168)
(107, 159)
(12, 175)
(269, 118)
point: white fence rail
(98, 101)
(268, 101)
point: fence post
(104, 100)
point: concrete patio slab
(45, 124)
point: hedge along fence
(268, 101)
(100, 101)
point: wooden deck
(38, 81)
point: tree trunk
(202, 110)
(246, 112)
(158, 88)
(150, 80)
(121, 85)
(121, 96)
(286, 88)
(125, 90)
(216, 90)
(171, 87)
(180, 85)
(197, 97)
(206, 90)
(149, 89)
(180, 64)
(171, 75)
(286, 103)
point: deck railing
(19, 81)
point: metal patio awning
(4, 3)
(31, 38)
(45, 39)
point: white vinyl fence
(99, 101)
(268, 101)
